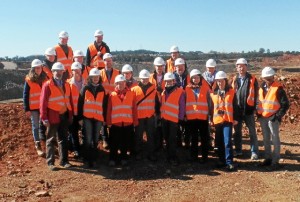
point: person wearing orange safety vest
(64, 54)
(56, 114)
(210, 73)
(223, 115)
(49, 61)
(170, 65)
(197, 111)
(246, 88)
(272, 106)
(127, 71)
(108, 75)
(172, 111)
(31, 99)
(147, 107)
(157, 78)
(96, 51)
(91, 108)
(76, 84)
(121, 117)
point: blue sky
(29, 27)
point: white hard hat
(107, 55)
(50, 51)
(241, 61)
(159, 61)
(179, 61)
(194, 72)
(76, 65)
(36, 63)
(58, 66)
(78, 53)
(221, 75)
(94, 72)
(144, 74)
(169, 76)
(63, 34)
(98, 33)
(127, 68)
(119, 78)
(211, 63)
(174, 49)
(267, 71)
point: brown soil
(23, 175)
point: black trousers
(170, 134)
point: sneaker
(76, 155)
(111, 163)
(237, 153)
(105, 144)
(254, 157)
(266, 162)
(51, 167)
(66, 165)
(40, 153)
(230, 167)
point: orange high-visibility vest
(34, 94)
(86, 72)
(170, 65)
(48, 72)
(66, 60)
(109, 86)
(96, 61)
(269, 104)
(196, 108)
(122, 110)
(58, 100)
(250, 98)
(146, 108)
(170, 107)
(92, 107)
(225, 105)
(74, 95)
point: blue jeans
(250, 123)
(35, 124)
(223, 141)
(92, 129)
(270, 130)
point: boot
(39, 149)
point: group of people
(171, 106)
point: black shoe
(220, 164)
(266, 162)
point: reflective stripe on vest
(225, 105)
(269, 104)
(170, 107)
(122, 110)
(196, 109)
(34, 94)
(58, 100)
(65, 60)
(92, 108)
(109, 86)
(146, 108)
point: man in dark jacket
(246, 88)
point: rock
(42, 193)
(23, 185)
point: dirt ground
(25, 177)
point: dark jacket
(242, 94)
(184, 81)
(94, 90)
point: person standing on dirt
(49, 61)
(223, 115)
(272, 106)
(170, 66)
(157, 78)
(147, 106)
(197, 110)
(172, 111)
(121, 118)
(108, 75)
(246, 88)
(91, 107)
(56, 114)
(31, 100)
(96, 51)
(64, 54)
(76, 84)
